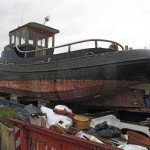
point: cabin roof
(37, 25)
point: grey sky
(124, 21)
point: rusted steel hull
(122, 98)
(99, 79)
(64, 90)
(106, 94)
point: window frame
(19, 37)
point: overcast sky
(124, 21)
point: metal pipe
(69, 45)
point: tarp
(24, 115)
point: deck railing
(70, 44)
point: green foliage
(5, 113)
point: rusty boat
(108, 77)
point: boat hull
(101, 94)
(86, 78)
(62, 90)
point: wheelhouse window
(12, 39)
(50, 40)
(23, 36)
(17, 38)
(41, 40)
(31, 37)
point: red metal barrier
(32, 137)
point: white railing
(70, 44)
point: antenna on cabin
(22, 17)
(46, 19)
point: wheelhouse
(33, 36)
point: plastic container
(65, 124)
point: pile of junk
(104, 130)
